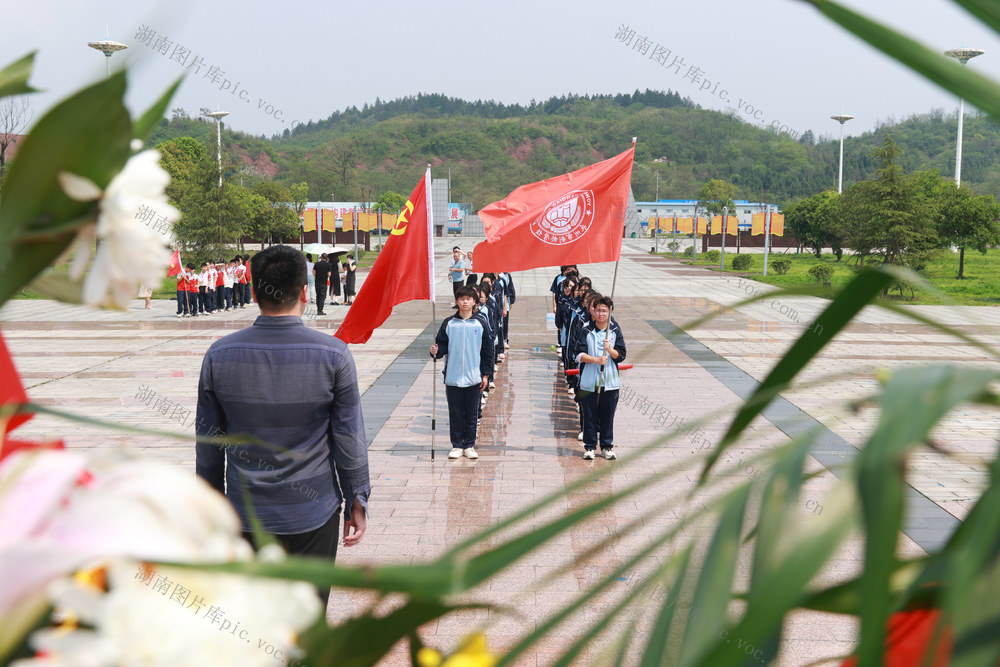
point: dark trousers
(228, 294)
(182, 302)
(320, 300)
(463, 413)
(455, 284)
(506, 326)
(321, 543)
(220, 298)
(209, 299)
(472, 280)
(246, 294)
(598, 409)
(202, 295)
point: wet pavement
(140, 367)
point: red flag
(404, 270)
(175, 264)
(576, 218)
(12, 391)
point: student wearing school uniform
(192, 289)
(465, 339)
(209, 271)
(248, 280)
(599, 350)
(484, 311)
(220, 286)
(227, 284)
(350, 280)
(182, 294)
(510, 295)
(556, 289)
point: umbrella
(316, 248)
(338, 250)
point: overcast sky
(298, 60)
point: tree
(390, 202)
(213, 218)
(275, 218)
(715, 195)
(814, 222)
(15, 114)
(966, 220)
(893, 216)
(343, 155)
(299, 196)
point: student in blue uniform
(599, 349)
(465, 338)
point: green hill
(491, 148)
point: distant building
(684, 208)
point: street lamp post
(218, 116)
(841, 118)
(108, 48)
(962, 55)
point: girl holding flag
(599, 349)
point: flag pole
(614, 279)
(429, 203)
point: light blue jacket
(469, 348)
(591, 342)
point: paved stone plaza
(141, 367)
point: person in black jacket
(321, 270)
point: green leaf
(987, 11)
(87, 135)
(848, 302)
(145, 125)
(14, 77)
(715, 581)
(26, 259)
(947, 73)
(363, 641)
(656, 648)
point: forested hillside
(491, 148)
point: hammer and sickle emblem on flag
(403, 220)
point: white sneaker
(506, 344)
(493, 385)
(471, 453)
(588, 455)
(559, 349)
(579, 436)
(455, 453)
(495, 368)
(609, 454)
(501, 356)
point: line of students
(590, 340)
(475, 340)
(217, 287)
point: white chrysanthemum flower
(131, 251)
(175, 617)
(62, 511)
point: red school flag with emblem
(404, 270)
(175, 264)
(576, 218)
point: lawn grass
(979, 287)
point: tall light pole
(108, 48)
(962, 55)
(841, 118)
(218, 116)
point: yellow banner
(731, 225)
(329, 220)
(367, 222)
(348, 221)
(388, 222)
(778, 224)
(309, 220)
(757, 224)
(684, 225)
(702, 226)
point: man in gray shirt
(296, 389)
